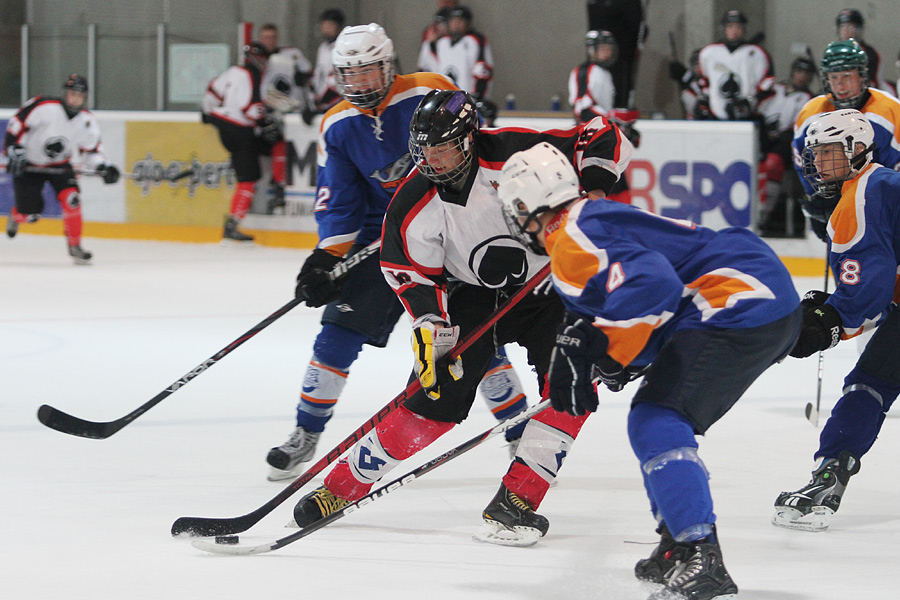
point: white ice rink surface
(90, 519)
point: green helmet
(846, 56)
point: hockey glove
(819, 207)
(17, 162)
(269, 130)
(814, 299)
(579, 345)
(109, 173)
(314, 283)
(676, 70)
(820, 330)
(431, 344)
(613, 375)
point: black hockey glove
(814, 299)
(613, 375)
(677, 70)
(702, 111)
(17, 162)
(579, 345)
(269, 130)
(109, 173)
(821, 330)
(314, 283)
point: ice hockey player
(864, 234)
(448, 255)
(363, 156)
(234, 105)
(42, 139)
(707, 310)
(464, 55)
(845, 81)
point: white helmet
(847, 127)
(359, 47)
(534, 181)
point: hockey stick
(93, 173)
(377, 494)
(66, 423)
(812, 413)
(207, 526)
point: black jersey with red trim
(432, 234)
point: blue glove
(579, 346)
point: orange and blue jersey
(363, 156)
(881, 109)
(865, 249)
(641, 277)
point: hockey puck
(227, 539)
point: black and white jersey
(235, 97)
(468, 62)
(51, 137)
(287, 73)
(323, 84)
(742, 73)
(432, 234)
(782, 108)
(591, 89)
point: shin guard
(242, 199)
(71, 209)
(322, 387)
(399, 436)
(503, 393)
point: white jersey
(234, 96)
(783, 107)
(428, 60)
(323, 85)
(468, 62)
(51, 137)
(591, 89)
(285, 67)
(744, 73)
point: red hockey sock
(399, 436)
(279, 161)
(16, 216)
(243, 197)
(71, 209)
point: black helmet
(335, 15)
(595, 39)
(734, 16)
(462, 12)
(487, 110)
(446, 120)
(76, 82)
(255, 54)
(803, 63)
(849, 15)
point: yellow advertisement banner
(181, 174)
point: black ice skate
(276, 202)
(80, 255)
(810, 508)
(661, 561)
(699, 573)
(231, 232)
(287, 460)
(510, 521)
(12, 228)
(317, 505)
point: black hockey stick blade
(381, 492)
(99, 430)
(210, 526)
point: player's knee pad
(502, 389)
(338, 347)
(69, 200)
(654, 430)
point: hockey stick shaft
(813, 414)
(207, 526)
(93, 173)
(66, 423)
(379, 493)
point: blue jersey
(865, 248)
(641, 277)
(363, 155)
(883, 112)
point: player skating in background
(42, 139)
(448, 255)
(234, 105)
(363, 156)
(707, 310)
(845, 81)
(864, 234)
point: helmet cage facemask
(459, 146)
(832, 187)
(519, 221)
(362, 95)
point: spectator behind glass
(464, 55)
(331, 22)
(849, 24)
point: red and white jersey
(281, 72)
(323, 85)
(468, 62)
(745, 72)
(782, 108)
(591, 88)
(51, 137)
(235, 97)
(434, 234)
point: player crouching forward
(864, 235)
(709, 311)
